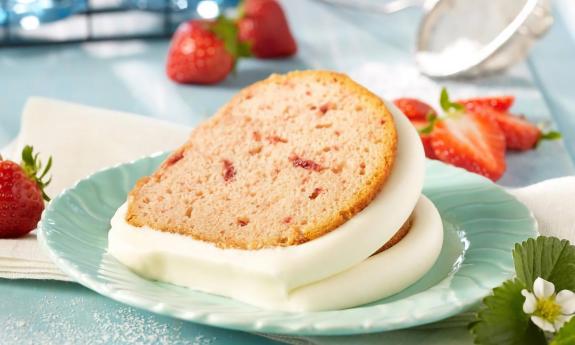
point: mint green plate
(481, 225)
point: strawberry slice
(420, 115)
(414, 109)
(470, 141)
(425, 137)
(498, 103)
(519, 134)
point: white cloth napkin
(81, 140)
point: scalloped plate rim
(446, 310)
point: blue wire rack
(77, 21)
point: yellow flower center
(548, 309)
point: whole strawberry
(204, 51)
(22, 194)
(263, 25)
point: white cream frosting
(167, 257)
(295, 277)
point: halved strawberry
(470, 141)
(414, 109)
(519, 134)
(499, 103)
(425, 137)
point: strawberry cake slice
(302, 193)
(287, 160)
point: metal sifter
(462, 38)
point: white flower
(549, 311)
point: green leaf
(551, 135)
(45, 196)
(447, 105)
(431, 120)
(227, 30)
(566, 335)
(29, 162)
(32, 166)
(501, 320)
(547, 136)
(244, 49)
(241, 9)
(27, 156)
(547, 257)
(46, 169)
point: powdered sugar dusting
(456, 56)
(402, 79)
(122, 325)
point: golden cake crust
(397, 237)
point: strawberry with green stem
(469, 132)
(469, 140)
(22, 193)
(519, 133)
(204, 51)
(522, 135)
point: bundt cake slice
(287, 160)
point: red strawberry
(419, 113)
(264, 27)
(499, 103)
(470, 141)
(425, 138)
(414, 109)
(21, 194)
(519, 134)
(203, 51)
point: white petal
(566, 299)
(561, 320)
(542, 288)
(543, 324)
(530, 303)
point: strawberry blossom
(549, 311)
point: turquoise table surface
(129, 76)
(49, 312)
